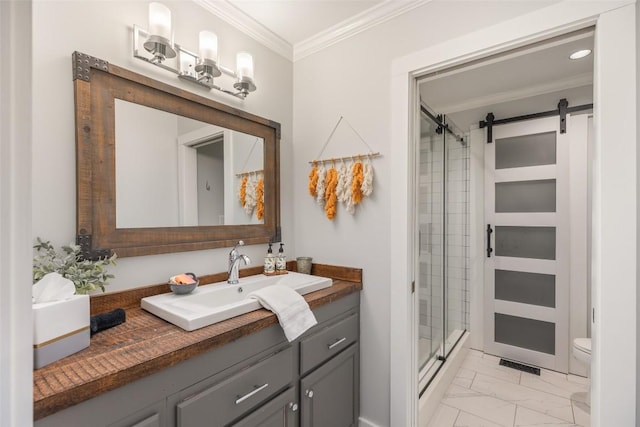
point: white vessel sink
(216, 302)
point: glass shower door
(430, 224)
(442, 227)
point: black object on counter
(103, 321)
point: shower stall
(442, 233)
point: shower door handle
(489, 248)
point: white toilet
(582, 350)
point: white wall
(16, 346)
(146, 190)
(104, 29)
(352, 78)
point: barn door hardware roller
(563, 109)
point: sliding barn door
(527, 244)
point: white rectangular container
(60, 328)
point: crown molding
(369, 18)
(243, 22)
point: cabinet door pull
(251, 393)
(309, 394)
(340, 341)
(293, 407)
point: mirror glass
(174, 171)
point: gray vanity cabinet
(257, 380)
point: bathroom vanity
(239, 372)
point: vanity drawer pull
(337, 343)
(251, 393)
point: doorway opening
(520, 82)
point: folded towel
(292, 310)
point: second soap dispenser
(281, 261)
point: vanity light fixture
(578, 54)
(160, 41)
(201, 68)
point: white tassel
(367, 184)
(250, 199)
(320, 187)
(348, 199)
(343, 183)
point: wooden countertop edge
(249, 323)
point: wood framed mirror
(138, 140)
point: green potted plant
(61, 325)
(86, 275)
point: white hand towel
(292, 310)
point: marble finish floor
(485, 394)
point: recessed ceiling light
(580, 54)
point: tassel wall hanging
(348, 185)
(251, 193)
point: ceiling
(529, 80)
(298, 20)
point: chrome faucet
(234, 263)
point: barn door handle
(489, 248)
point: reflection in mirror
(175, 171)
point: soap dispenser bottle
(269, 263)
(281, 261)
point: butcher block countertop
(146, 344)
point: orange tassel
(243, 191)
(356, 183)
(313, 181)
(260, 199)
(330, 193)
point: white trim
(16, 320)
(536, 312)
(534, 219)
(615, 165)
(363, 21)
(554, 20)
(243, 22)
(525, 265)
(529, 173)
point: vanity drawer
(231, 398)
(328, 342)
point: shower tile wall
(457, 236)
(430, 224)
